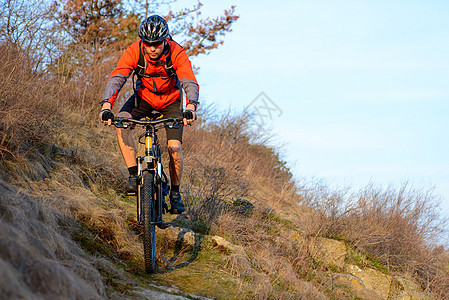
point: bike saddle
(154, 115)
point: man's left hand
(189, 114)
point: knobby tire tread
(149, 230)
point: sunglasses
(155, 44)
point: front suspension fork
(157, 190)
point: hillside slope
(67, 228)
(37, 255)
(39, 258)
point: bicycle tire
(149, 230)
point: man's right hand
(106, 114)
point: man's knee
(124, 134)
(174, 147)
(124, 114)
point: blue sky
(363, 85)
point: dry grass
(23, 122)
(37, 256)
(400, 227)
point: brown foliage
(200, 36)
(92, 21)
(106, 23)
(23, 120)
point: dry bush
(400, 227)
(397, 222)
(26, 25)
(224, 160)
(27, 93)
(208, 191)
(25, 105)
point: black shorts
(144, 109)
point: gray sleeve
(192, 90)
(113, 87)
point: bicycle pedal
(130, 193)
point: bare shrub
(26, 26)
(207, 194)
(398, 226)
(224, 163)
(24, 114)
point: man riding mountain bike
(162, 68)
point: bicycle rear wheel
(149, 222)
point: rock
(164, 293)
(408, 290)
(152, 294)
(171, 233)
(331, 252)
(377, 283)
(372, 280)
(224, 244)
(356, 285)
(179, 235)
(190, 238)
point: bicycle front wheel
(149, 222)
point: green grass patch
(84, 237)
(205, 276)
(364, 260)
(287, 224)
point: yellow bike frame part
(148, 142)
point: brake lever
(174, 125)
(120, 124)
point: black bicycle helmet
(153, 29)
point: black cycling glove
(189, 115)
(106, 114)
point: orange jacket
(159, 91)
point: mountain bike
(152, 182)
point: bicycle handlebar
(121, 122)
